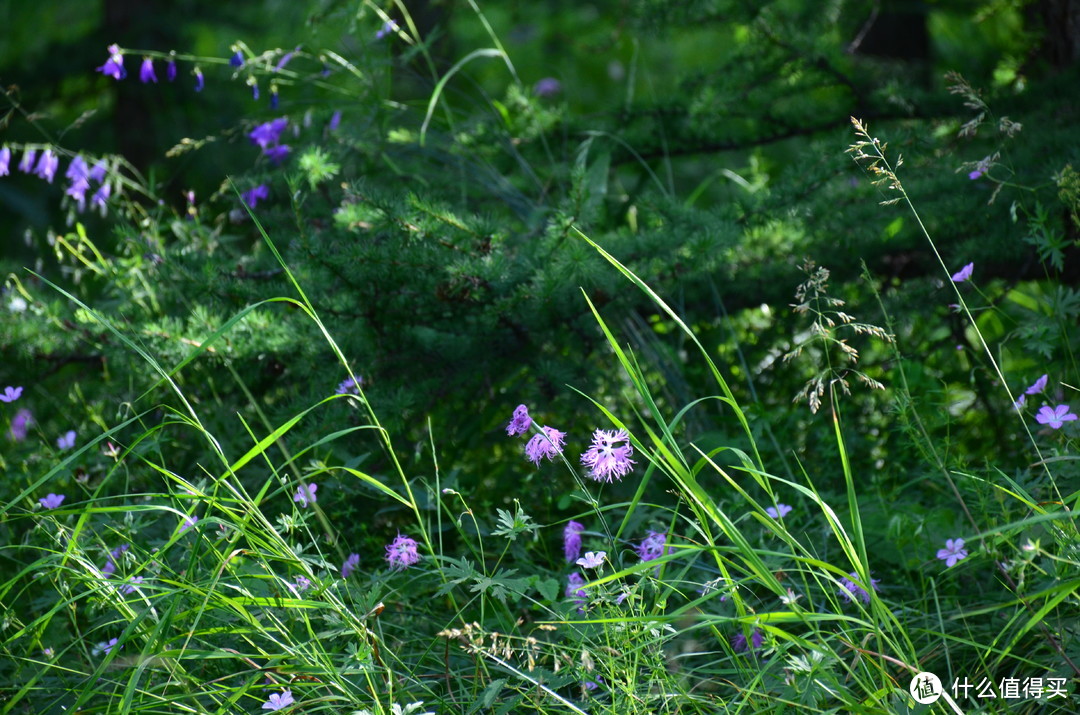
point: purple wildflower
(592, 559)
(5, 160)
(26, 166)
(1019, 404)
(170, 70)
(574, 590)
(11, 394)
(98, 172)
(652, 546)
(277, 154)
(66, 440)
(779, 511)
(146, 71)
(401, 553)
(47, 165)
(572, 541)
(131, 586)
(51, 501)
(109, 646)
(546, 443)
(286, 58)
(1054, 417)
(254, 90)
(350, 565)
(547, 87)
(738, 641)
(77, 169)
(350, 385)
(188, 523)
(303, 583)
(279, 702)
(200, 81)
(114, 66)
(20, 424)
(1037, 386)
(237, 60)
(520, 422)
(101, 196)
(852, 590)
(605, 460)
(964, 273)
(975, 175)
(253, 196)
(111, 560)
(335, 120)
(305, 493)
(388, 27)
(591, 685)
(273, 96)
(954, 551)
(77, 191)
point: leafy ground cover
(711, 357)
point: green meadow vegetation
(491, 357)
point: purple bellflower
(388, 28)
(286, 58)
(1020, 401)
(305, 493)
(11, 394)
(520, 422)
(253, 196)
(132, 585)
(1054, 417)
(98, 172)
(200, 81)
(954, 551)
(852, 590)
(964, 273)
(5, 161)
(572, 541)
(51, 501)
(605, 460)
(101, 197)
(350, 565)
(277, 154)
(237, 60)
(77, 169)
(274, 100)
(170, 70)
(546, 443)
(975, 175)
(279, 702)
(188, 523)
(47, 165)
(146, 71)
(1037, 386)
(77, 191)
(20, 424)
(335, 121)
(26, 166)
(114, 66)
(402, 553)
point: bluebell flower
(114, 66)
(273, 96)
(237, 60)
(98, 172)
(146, 71)
(47, 165)
(170, 70)
(253, 196)
(200, 81)
(335, 120)
(5, 161)
(26, 166)
(101, 196)
(572, 541)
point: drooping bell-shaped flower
(146, 71)
(114, 66)
(47, 165)
(199, 80)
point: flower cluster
(739, 644)
(652, 546)
(79, 172)
(350, 385)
